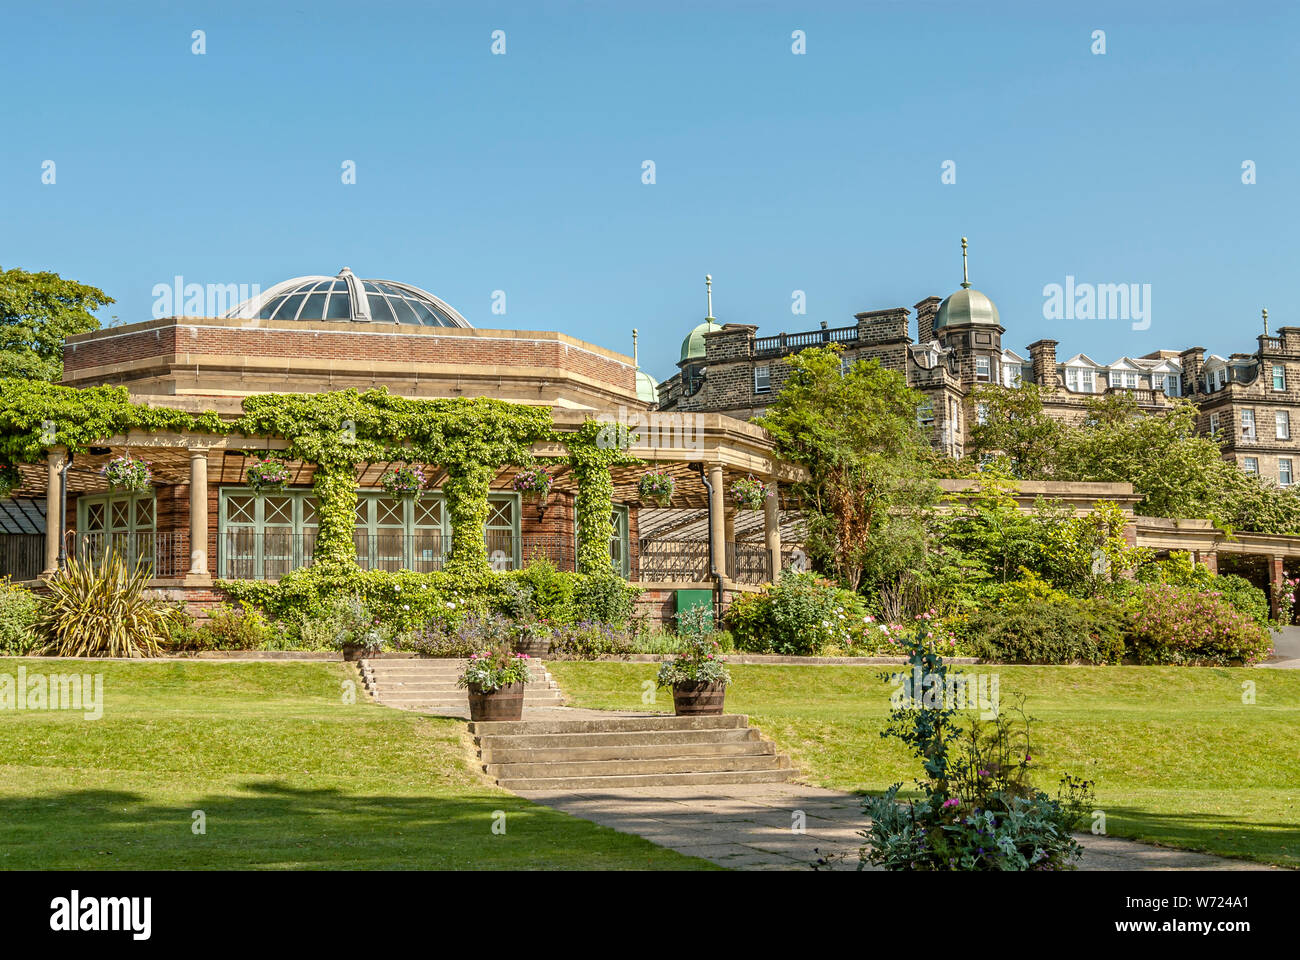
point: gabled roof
(1082, 360)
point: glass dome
(348, 297)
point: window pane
(120, 515)
(95, 517)
(144, 513)
(278, 510)
(240, 509)
(428, 513)
(389, 513)
(379, 311)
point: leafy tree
(856, 434)
(1015, 425)
(37, 311)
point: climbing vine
(338, 431)
(35, 416)
(593, 449)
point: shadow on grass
(271, 825)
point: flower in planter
(10, 480)
(749, 493)
(404, 481)
(491, 670)
(698, 662)
(127, 473)
(657, 486)
(267, 473)
(534, 483)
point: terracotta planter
(698, 699)
(504, 703)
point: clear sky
(775, 172)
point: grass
(287, 775)
(1177, 757)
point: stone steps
(627, 751)
(430, 684)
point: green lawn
(1177, 757)
(287, 775)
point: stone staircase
(627, 751)
(429, 685)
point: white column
(199, 512)
(53, 517)
(717, 525)
(772, 529)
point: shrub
(102, 609)
(978, 809)
(1059, 630)
(796, 616)
(435, 640)
(1179, 570)
(605, 599)
(231, 628)
(552, 591)
(343, 623)
(1172, 624)
(18, 610)
(589, 641)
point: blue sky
(775, 172)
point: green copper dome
(647, 387)
(693, 345)
(965, 308)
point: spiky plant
(99, 608)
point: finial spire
(708, 288)
(965, 277)
(636, 362)
(1265, 312)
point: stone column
(53, 517)
(772, 530)
(199, 512)
(717, 525)
(1211, 561)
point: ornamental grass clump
(978, 809)
(493, 669)
(698, 662)
(102, 609)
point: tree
(37, 311)
(1014, 424)
(868, 485)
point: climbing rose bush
(1171, 624)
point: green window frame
(620, 552)
(401, 533)
(263, 537)
(124, 523)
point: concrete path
(1286, 649)
(748, 827)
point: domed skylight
(348, 297)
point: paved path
(748, 827)
(1286, 649)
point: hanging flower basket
(404, 481)
(657, 487)
(749, 493)
(267, 474)
(10, 480)
(534, 483)
(127, 473)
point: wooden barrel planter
(504, 703)
(534, 648)
(698, 699)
